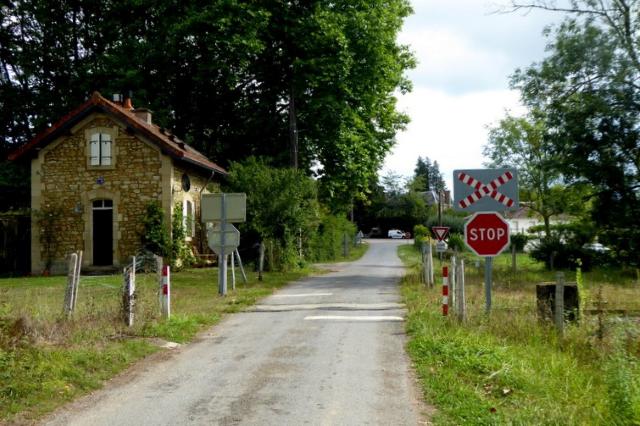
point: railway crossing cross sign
(485, 190)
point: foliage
(327, 243)
(586, 92)
(520, 143)
(565, 246)
(456, 242)
(396, 204)
(429, 174)
(508, 367)
(181, 254)
(519, 240)
(230, 77)
(156, 235)
(48, 219)
(453, 221)
(56, 361)
(421, 234)
(277, 215)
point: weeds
(509, 367)
(46, 360)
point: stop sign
(487, 234)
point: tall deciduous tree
(588, 89)
(308, 83)
(520, 143)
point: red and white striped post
(445, 291)
(166, 291)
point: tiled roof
(169, 143)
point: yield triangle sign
(441, 232)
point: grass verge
(508, 368)
(47, 360)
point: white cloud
(450, 129)
(465, 55)
(451, 61)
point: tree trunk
(293, 128)
(547, 226)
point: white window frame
(101, 150)
(189, 218)
(100, 147)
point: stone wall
(198, 182)
(63, 183)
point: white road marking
(312, 306)
(302, 295)
(366, 318)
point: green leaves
(588, 103)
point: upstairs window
(100, 149)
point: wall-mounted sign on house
(99, 167)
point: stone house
(95, 171)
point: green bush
(519, 240)
(326, 242)
(455, 223)
(156, 235)
(421, 234)
(456, 242)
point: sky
(466, 54)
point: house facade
(93, 174)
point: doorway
(103, 232)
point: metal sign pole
(488, 266)
(222, 259)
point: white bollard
(166, 291)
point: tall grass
(46, 360)
(508, 367)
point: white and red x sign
(475, 185)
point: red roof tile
(169, 143)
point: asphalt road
(326, 350)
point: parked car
(597, 247)
(395, 233)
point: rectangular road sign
(485, 190)
(235, 206)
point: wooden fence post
(559, 303)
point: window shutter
(105, 140)
(95, 150)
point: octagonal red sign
(487, 234)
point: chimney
(143, 114)
(127, 104)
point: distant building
(523, 219)
(100, 166)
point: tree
(306, 83)
(587, 90)
(277, 215)
(521, 143)
(437, 181)
(422, 172)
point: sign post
(486, 191)
(487, 235)
(223, 237)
